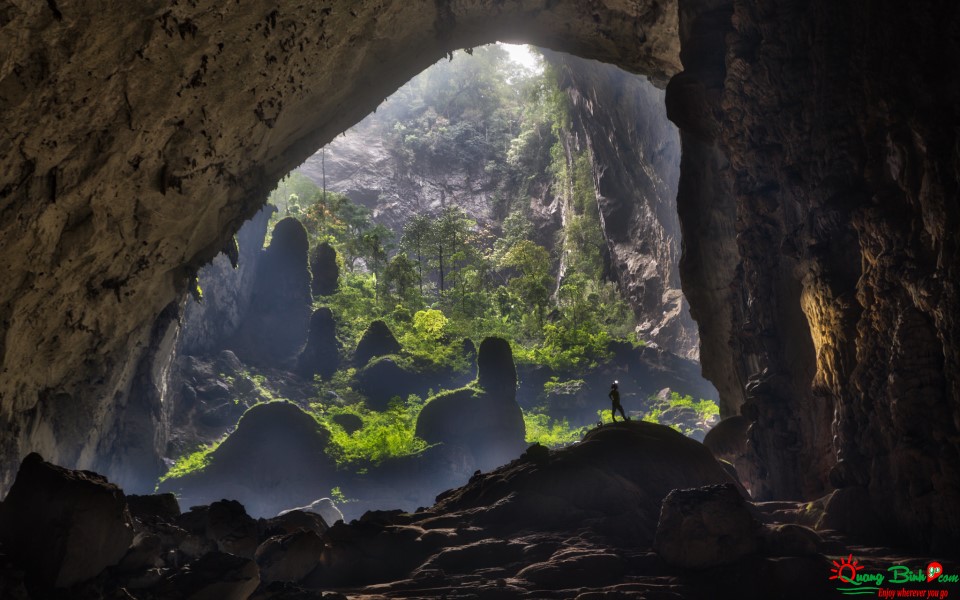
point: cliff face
(635, 154)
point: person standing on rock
(614, 395)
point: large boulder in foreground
(483, 419)
(63, 526)
(274, 460)
(613, 482)
(706, 527)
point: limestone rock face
(834, 160)
(816, 201)
(226, 289)
(635, 153)
(63, 526)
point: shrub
(552, 433)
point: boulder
(290, 521)
(226, 524)
(229, 362)
(321, 355)
(323, 507)
(276, 458)
(377, 340)
(64, 526)
(289, 557)
(706, 527)
(154, 508)
(326, 271)
(215, 576)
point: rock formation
(484, 420)
(274, 460)
(634, 152)
(63, 526)
(274, 328)
(226, 289)
(325, 270)
(600, 515)
(377, 340)
(321, 355)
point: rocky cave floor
(634, 511)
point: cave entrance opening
(505, 192)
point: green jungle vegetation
(444, 277)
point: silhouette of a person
(615, 397)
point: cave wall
(822, 135)
(137, 137)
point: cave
(817, 203)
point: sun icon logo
(846, 570)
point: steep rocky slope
(635, 153)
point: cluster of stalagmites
(635, 508)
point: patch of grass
(190, 463)
(386, 434)
(552, 433)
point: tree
(447, 237)
(400, 277)
(373, 246)
(532, 282)
(415, 239)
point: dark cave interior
(817, 202)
